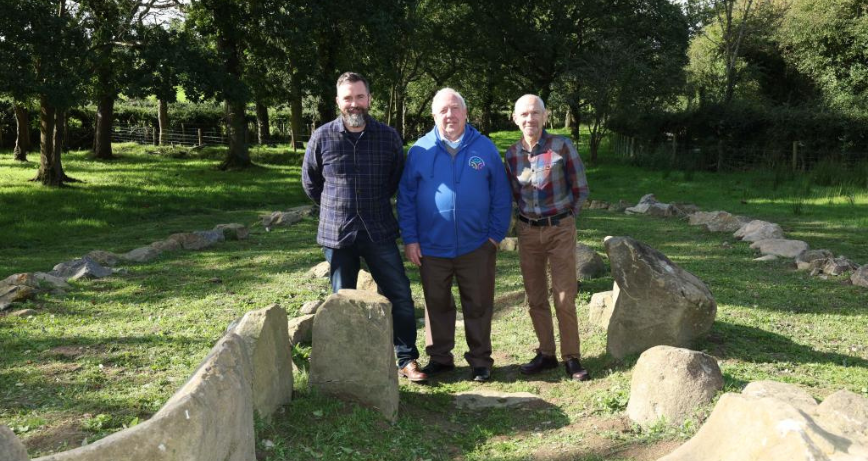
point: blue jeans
(387, 268)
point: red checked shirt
(548, 180)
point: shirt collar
(540, 142)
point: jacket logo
(476, 163)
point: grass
(109, 353)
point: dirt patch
(67, 352)
(66, 435)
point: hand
(413, 253)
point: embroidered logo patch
(476, 163)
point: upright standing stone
(589, 264)
(659, 303)
(11, 449)
(267, 339)
(353, 357)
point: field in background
(109, 353)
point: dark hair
(353, 77)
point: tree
(827, 40)
(22, 131)
(47, 44)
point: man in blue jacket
(454, 208)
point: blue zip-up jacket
(452, 206)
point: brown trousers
(475, 274)
(555, 245)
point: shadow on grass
(754, 345)
(429, 426)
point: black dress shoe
(575, 370)
(481, 374)
(539, 363)
(434, 368)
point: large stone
(142, 255)
(661, 210)
(489, 398)
(600, 309)
(860, 277)
(649, 199)
(310, 307)
(267, 339)
(286, 218)
(352, 356)
(509, 244)
(589, 264)
(104, 258)
(672, 383)
(320, 270)
(780, 247)
(11, 449)
(233, 231)
(804, 259)
(193, 240)
(366, 282)
(838, 266)
(759, 230)
(209, 418)
(166, 245)
(845, 413)
(659, 303)
(301, 329)
(84, 268)
(39, 281)
(718, 221)
(752, 427)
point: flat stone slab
(484, 398)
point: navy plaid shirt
(353, 181)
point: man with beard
(351, 169)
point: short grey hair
(539, 99)
(443, 91)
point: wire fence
(681, 154)
(190, 136)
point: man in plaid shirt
(351, 169)
(549, 185)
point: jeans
(387, 268)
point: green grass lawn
(110, 352)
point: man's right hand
(413, 253)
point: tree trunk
(237, 156)
(576, 117)
(263, 127)
(567, 118)
(295, 110)
(22, 137)
(399, 111)
(102, 140)
(50, 170)
(163, 121)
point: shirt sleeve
(509, 164)
(407, 189)
(576, 178)
(312, 180)
(398, 164)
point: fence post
(154, 136)
(183, 134)
(199, 132)
(674, 149)
(795, 155)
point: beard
(355, 119)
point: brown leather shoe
(412, 372)
(575, 370)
